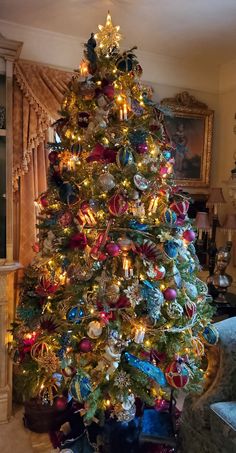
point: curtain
(37, 95)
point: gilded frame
(191, 171)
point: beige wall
(216, 86)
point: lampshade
(229, 222)
(216, 196)
(202, 221)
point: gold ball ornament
(113, 292)
(94, 330)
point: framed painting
(190, 129)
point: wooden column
(9, 51)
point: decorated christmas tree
(111, 309)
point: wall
(168, 76)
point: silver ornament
(174, 310)
(140, 182)
(106, 181)
(126, 415)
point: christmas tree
(111, 309)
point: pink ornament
(189, 235)
(117, 205)
(163, 171)
(190, 308)
(113, 249)
(85, 345)
(170, 294)
(142, 148)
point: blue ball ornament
(80, 387)
(124, 157)
(75, 314)
(169, 217)
(210, 335)
(171, 249)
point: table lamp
(229, 227)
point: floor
(14, 438)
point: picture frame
(190, 129)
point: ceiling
(203, 30)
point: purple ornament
(142, 148)
(113, 249)
(170, 294)
(189, 235)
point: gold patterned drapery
(37, 95)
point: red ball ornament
(113, 249)
(85, 345)
(109, 91)
(180, 207)
(190, 308)
(44, 201)
(61, 403)
(170, 294)
(117, 205)
(177, 375)
(189, 235)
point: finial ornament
(108, 36)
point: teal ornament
(80, 387)
(210, 335)
(152, 371)
(171, 249)
(169, 217)
(75, 314)
(191, 290)
(166, 154)
(124, 157)
(135, 225)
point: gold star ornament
(108, 36)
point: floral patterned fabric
(37, 95)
